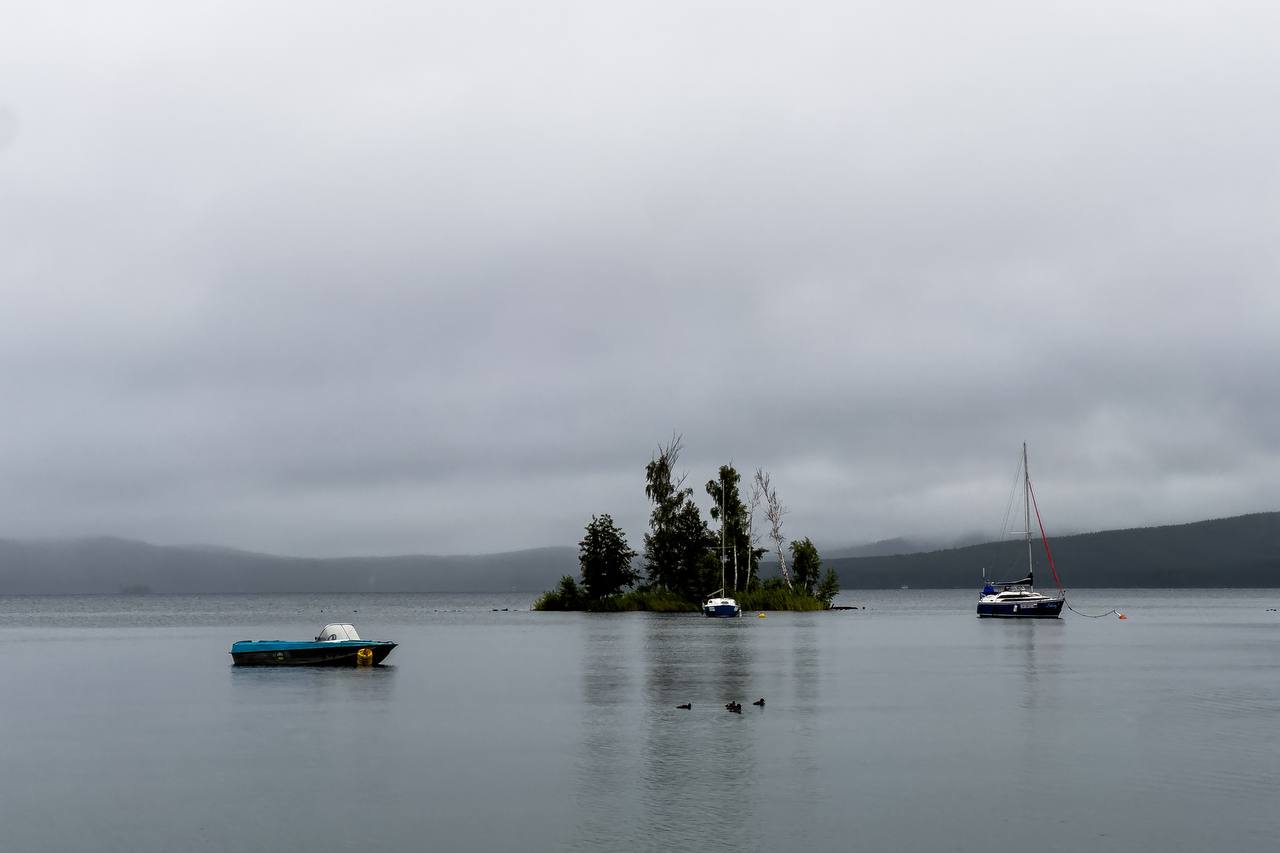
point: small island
(684, 559)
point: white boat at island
(1019, 599)
(718, 604)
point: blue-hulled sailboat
(1019, 599)
(718, 604)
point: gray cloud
(323, 279)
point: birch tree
(774, 511)
(728, 509)
(753, 554)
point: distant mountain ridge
(1241, 551)
(105, 565)
(900, 545)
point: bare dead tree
(666, 484)
(752, 536)
(672, 454)
(774, 511)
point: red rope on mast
(1043, 538)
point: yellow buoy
(364, 657)
(759, 615)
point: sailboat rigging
(718, 604)
(1019, 599)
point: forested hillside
(1243, 551)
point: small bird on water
(734, 707)
(759, 702)
(688, 706)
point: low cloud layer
(327, 279)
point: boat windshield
(337, 631)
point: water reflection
(1036, 649)
(1024, 673)
(806, 684)
(698, 778)
(287, 685)
(606, 672)
(607, 756)
(1025, 666)
(699, 766)
(806, 680)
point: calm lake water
(908, 726)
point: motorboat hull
(283, 653)
(1048, 608)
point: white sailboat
(1019, 599)
(718, 604)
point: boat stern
(721, 607)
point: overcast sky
(370, 278)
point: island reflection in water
(688, 775)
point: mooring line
(1090, 615)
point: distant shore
(1242, 552)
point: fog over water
(323, 279)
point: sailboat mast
(1026, 499)
(722, 520)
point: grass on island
(779, 598)
(773, 594)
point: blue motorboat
(335, 645)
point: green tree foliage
(774, 594)
(805, 564)
(699, 572)
(661, 543)
(653, 600)
(726, 501)
(605, 559)
(568, 596)
(677, 548)
(829, 588)
(683, 556)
